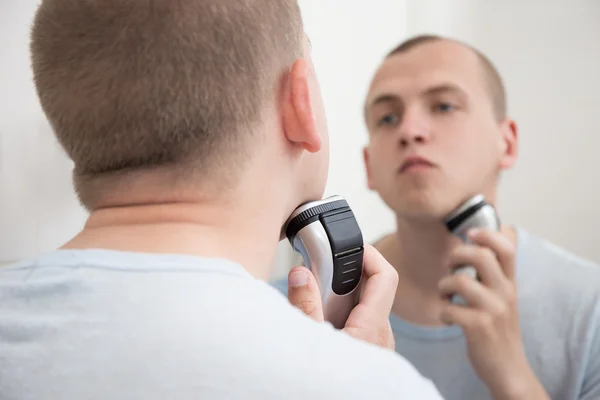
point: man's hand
(490, 320)
(370, 319)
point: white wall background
(537, 45)
(38, 210)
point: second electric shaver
(474, 213)
(326, 234)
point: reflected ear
(299, 122)
(367, 168)
(510, 143)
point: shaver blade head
(476, 212)
(309, 212)
(327, 236)
(466, 205)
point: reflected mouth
(414, 163)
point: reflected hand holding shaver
(328, 238)
(474, 213)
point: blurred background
(548, 53)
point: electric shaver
(474, 213)
(327, 236)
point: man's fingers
(453, 314)
(475, 294)
(380, 283)
(483, 260)
(477, 324)
(500, 245)
(303, 293)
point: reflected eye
(443, 107)
(388, 119)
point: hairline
(489, 71)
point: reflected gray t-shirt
(94, 324)
(559, 304)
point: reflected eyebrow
(445, 88)
(381, 99)
(433, 90)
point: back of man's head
(159, 85)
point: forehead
(428, 65)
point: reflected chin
(422, 203)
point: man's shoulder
(216, 331)
(550, 273)
(546, 257)
(286, 344)
(559, 303)
(362, 370)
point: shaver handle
(468, 270)
(333, 280)
(337, 309)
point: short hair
(492, 77)
(136, 85)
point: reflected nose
(413, 130)
(412, 137)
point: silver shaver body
(328, 238)
(474, 213)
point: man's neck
(238, 232)
(420, 252)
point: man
(438, 134)
(175, 114)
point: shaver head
(473, 213)
(328, 238)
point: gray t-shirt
(559, 304)
(94, 324)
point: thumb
(303, 293)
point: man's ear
(368, 168)
(510, 143)
(299, 121)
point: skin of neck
(242, 225)
(420, 251)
